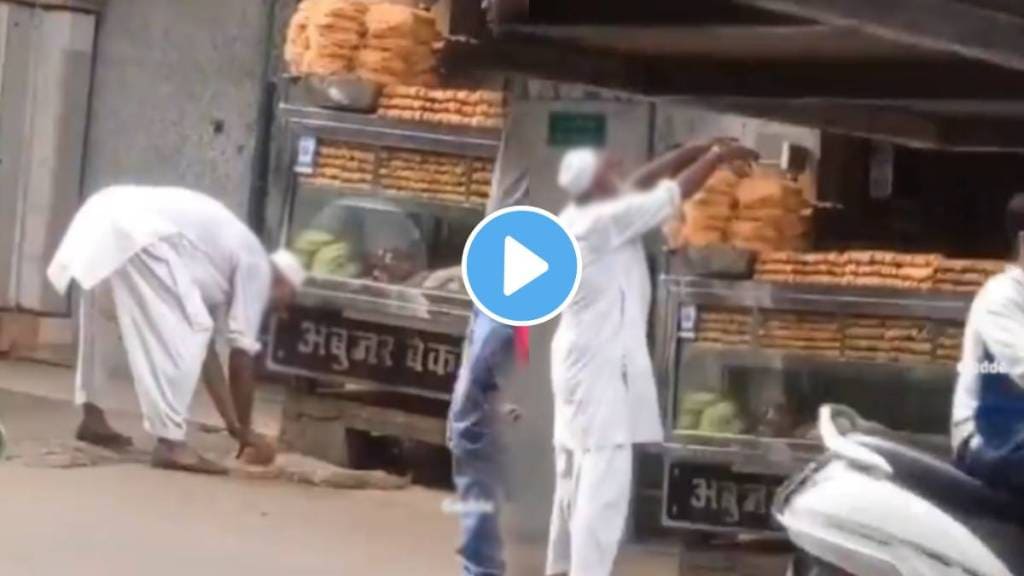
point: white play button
(522, 266)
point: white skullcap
(289, 266)
(579, 170)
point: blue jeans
(474, 438)
(478, 486)
(478, 473)
(1001, 469)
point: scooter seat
(994, 517)
(942, 483)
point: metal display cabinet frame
(679, 298)
(396, 308)
(369, 129)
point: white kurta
(605, 397)
(601, 372)
(174, 263)
(224, 258)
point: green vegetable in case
(336, 260)
(692, 405)
(308, 243)
(722, 418)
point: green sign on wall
(569, 129)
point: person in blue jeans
(474, 439)
(988, 405)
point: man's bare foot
(171, 455)
(94, 429)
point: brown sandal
(109, 440)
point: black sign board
(713, 496)
(322, 341)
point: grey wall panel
(176, 94)
(62, 45)
(14, 112)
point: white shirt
(995, 325)
(225, 259)
(601, 372)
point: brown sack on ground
(306, 470)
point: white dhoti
(588, 518)
(165, 328)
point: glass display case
(342, 233)
(745, 365)
(385, 202)
(378, 211)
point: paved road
(127, 519)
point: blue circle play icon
(521, 266)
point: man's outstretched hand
(733, 151)
(720, 153)
(256, 449)
(512, 412)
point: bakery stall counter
(371, 361)
(380, 209)
(745, 365)
(758, 359)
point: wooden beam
(883, 80)
(967, 29)
(895, 125)
(1007, 6)
(540, 58)
(617, 12)
(695, 76)
(892, 123)
(981, 134)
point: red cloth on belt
(522, 344)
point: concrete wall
(176, 94)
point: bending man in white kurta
(605, 398)
(171, 267)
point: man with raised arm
(605, 399)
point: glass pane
(341, 232)
(765, 373)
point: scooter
(874, 507)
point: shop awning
(936, 73)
